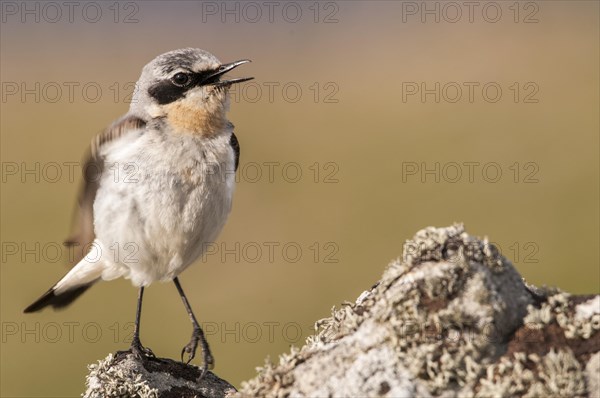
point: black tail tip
(45, 300)
(61, 300)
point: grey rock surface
(123, 375)
(451, 318)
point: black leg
(197, 336)
(136, 346)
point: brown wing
(83, 227)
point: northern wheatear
(177, 155)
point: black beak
(213, 78)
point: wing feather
(83, 226)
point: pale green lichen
(106, 380)
(557, 309)
(447, 310)
(557, 374)
(124, 375)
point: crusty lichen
(439, 322)
(557, 374)
(592, 373)
(124, 375)
(581, 322)
(106, 380)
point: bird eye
(180, 79)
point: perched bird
(158, 185)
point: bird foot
(190, 349)
(139, 351)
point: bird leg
(197, 337)
(137, 349)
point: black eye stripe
(165, 91)
(199, 77)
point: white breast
(161, 201)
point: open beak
(213, 79)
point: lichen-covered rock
(124, 375)
(451, 318)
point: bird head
(187, 88)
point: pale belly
(157, 220)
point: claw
(141, 352)
(191, 350)
(208, 363)
(192, 346)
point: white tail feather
(86, 271)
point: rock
(451, 318)
(123, 375)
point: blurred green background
(337, 98)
